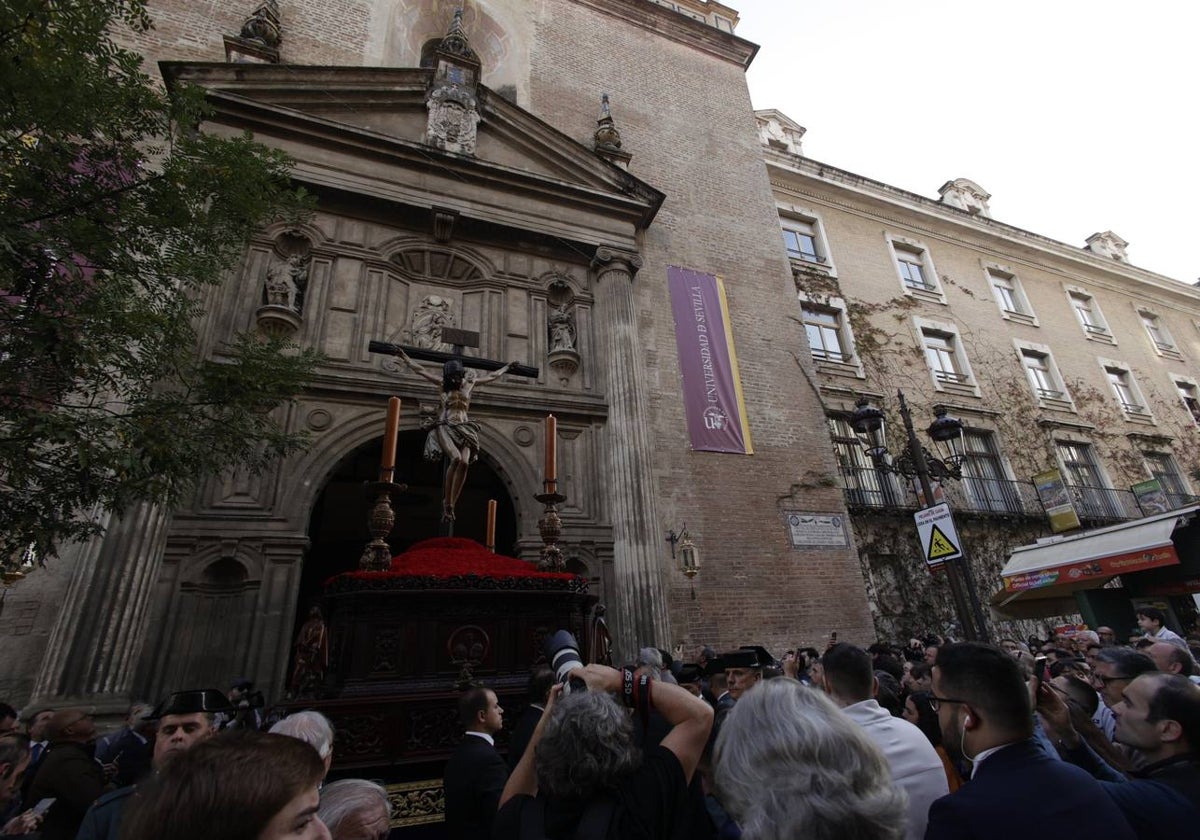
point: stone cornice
(784, 168)
(288, 103)
(679, 28)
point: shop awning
(1053, 569)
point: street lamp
(916, 461)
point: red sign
(1101, 567)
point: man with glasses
(1114, 669)
(1159, 716)
(986, 717)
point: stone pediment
(361, 129)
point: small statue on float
(311, 656)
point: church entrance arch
(337, 528)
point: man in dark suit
(540, 682)
(475, 774)
(69, 774)
(986, 716)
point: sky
(1076, 116)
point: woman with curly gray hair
(789, 764)
(582, 775)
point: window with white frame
(1010, 297)
(984, 477)
(1157, 332)
(1125, 389)
(800, 238)
(803, 237)
(1190, 395)
(1089, 315)
(826, 339)
(946, 358)
(912, 270)
(1081, 471)
(1043, 376)
(1162, 465)
(865, 483)
(918, 277)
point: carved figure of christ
(454, 437)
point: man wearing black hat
(743, 671)
(184, 720)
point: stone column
(639, 610)
(93, 651)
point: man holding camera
(582, 775)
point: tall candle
(387, 464)
(491, 526)
(551, 451)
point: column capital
(609, 258)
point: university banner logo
(712, 387)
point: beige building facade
(1054, 356)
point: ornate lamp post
(918, 462)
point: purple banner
(712, 388)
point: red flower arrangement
(450, 557)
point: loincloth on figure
(464, 435)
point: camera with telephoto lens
(562, 652)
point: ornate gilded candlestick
(377, 555)
(550, 527)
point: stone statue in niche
(285, 282)
(433, 313)
(452, 120)
(562, 329)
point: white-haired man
(355, 809)
(313, 728)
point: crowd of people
(1079, 735)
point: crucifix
(453, 437)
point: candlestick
(551, 453)
(491, 526)
(387, 464)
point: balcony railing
(868, 488)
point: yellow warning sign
(940, 545)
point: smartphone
(43, 806)
(1039, 674)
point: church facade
(533, 173)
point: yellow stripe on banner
(733, 360)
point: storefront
(1106, 573)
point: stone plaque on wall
(816, 530)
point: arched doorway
(337, 529)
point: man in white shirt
(847, 678)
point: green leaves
(116, 218)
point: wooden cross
(459, 340)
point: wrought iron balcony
(869, 489)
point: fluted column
(639, 607)
(93, 651)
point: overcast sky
(1076, 116)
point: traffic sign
(939, 537)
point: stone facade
(993, 297)
(499, 233)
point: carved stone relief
(453, 119)
(425, 328)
